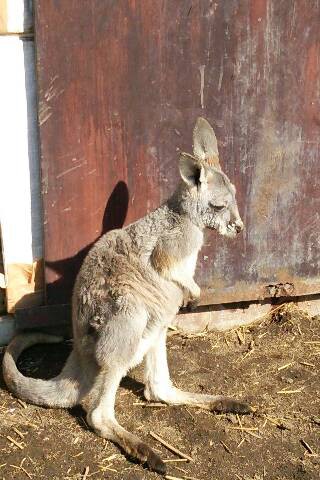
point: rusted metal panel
(120, 86)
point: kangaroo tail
(61, 391)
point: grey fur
(129, 288)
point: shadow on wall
(114, 217)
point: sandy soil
(274, 365)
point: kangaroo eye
(219, 208)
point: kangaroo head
(209, 196)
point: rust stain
(275, 175)
(280, 290)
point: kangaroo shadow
(60, 291)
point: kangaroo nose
(239, 226)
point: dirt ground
(274, 365)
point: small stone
(315, 420)
(232, 418)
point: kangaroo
(129, 289)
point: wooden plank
(7, 329)
(136, 77)
(43, 316)
(3, 16)
(16, 17)
(24, 285)
(215, 317)
(51, 319)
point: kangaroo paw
(192, 304)
(154, 462)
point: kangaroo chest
(185, 267)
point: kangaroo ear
(205, 146)
(191, 171)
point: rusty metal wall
(120, 86)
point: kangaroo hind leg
(160, 388)
(101, 417)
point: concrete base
(221, 317)
(214, 317)
(225, 317)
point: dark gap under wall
(2, 282)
